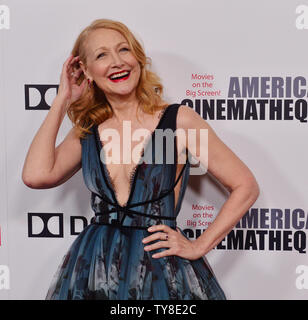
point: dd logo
(50, 225)
(39, 96)
(45, 225)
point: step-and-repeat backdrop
(242, 65)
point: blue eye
(100, 55)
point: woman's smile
(119, 76)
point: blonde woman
(133, 248)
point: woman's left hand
(174, 240)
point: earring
(90, 85)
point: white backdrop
(214, 39)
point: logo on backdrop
(50, 225)
(255, 98)
(301, 21)
(272, 229)
(40, 96)
(4, 17)
(302, 280)
(4, 277)
(259, 229)
(45, 225)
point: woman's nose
(116, 59)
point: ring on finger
(166, 236)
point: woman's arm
(224, 165)
(46, 166)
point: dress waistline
(115, 223)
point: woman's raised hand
(69, 90)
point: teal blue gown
(107, 260)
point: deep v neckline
(133, 174)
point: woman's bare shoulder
(188, 118)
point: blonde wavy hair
(92, 107)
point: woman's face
(111, 64)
